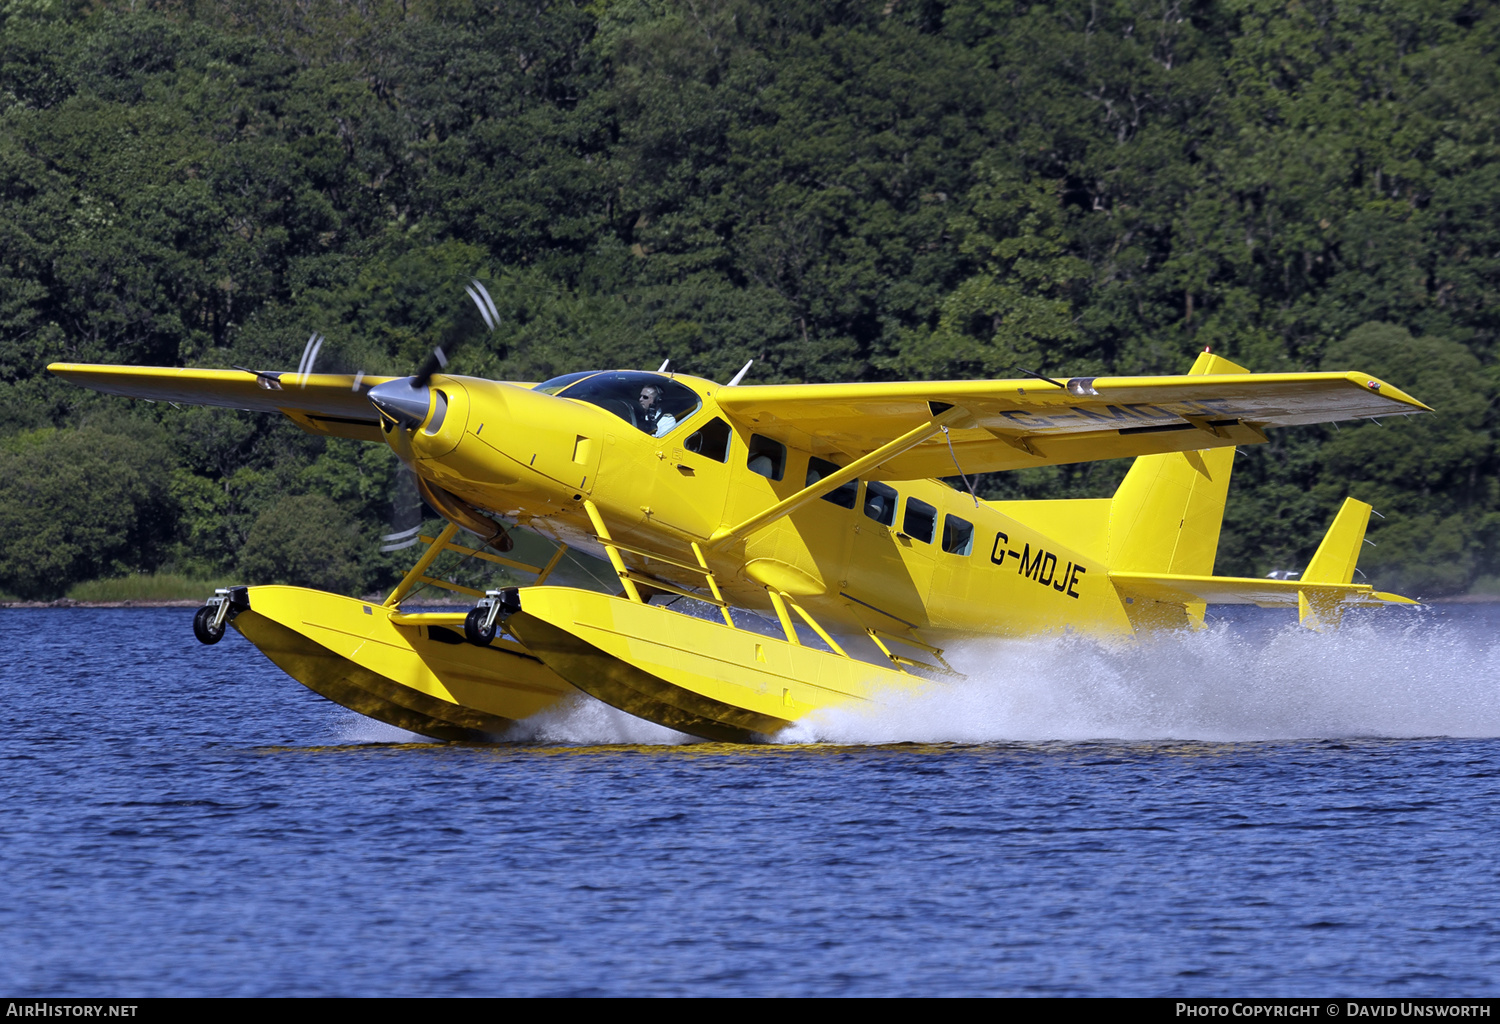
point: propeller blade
(461, 328)
(309, 356)
(399, 541)
(434, 362)
(405, 514)
(485, 303)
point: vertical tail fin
(1166, 516)
(1167, 513)
(1333, 562)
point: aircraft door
(949, 598)
(692, 476)
(879, 575)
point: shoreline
(183, 602)
(180, 602)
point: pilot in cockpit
(655, 420)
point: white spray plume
(583, 721)
(1375, 678)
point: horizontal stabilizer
(1320, 595)
(1248, 590)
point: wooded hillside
(877, 190)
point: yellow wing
(331, 404)
(1013, 424)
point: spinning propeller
(407, 401)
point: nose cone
(402, 401)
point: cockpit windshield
(652, 402)
(556, 384)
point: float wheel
(475, 629)
(203, 625)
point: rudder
(1333, 562)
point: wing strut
(907, 441)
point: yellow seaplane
(825, 560)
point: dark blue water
(1250, 811)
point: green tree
(1431, 476)
(840, 191)
(80, 504)
(307, 541)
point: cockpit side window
(843, 495)
(767, 457)
(650, 402)
(880, 503)
(710, 440)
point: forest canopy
(839, 190)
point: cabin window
(880, 503)
(920, 522)
(767, 457)
(711, 440)
(844, 495)
(958, 535)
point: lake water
(1253, 810)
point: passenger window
(920, 522)
(844, 495)
(767, 457)
(880, 503)
(958, 535)
(711, 440)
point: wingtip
(1386, 390)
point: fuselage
(888, 555)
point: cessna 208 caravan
(814, 506)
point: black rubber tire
(474, 628)
(203, 625)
